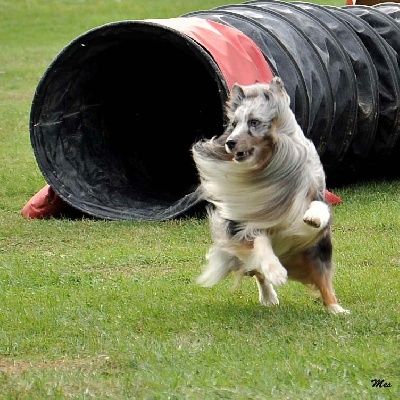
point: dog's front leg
(264, 260)
(268, 296)
(318, 215)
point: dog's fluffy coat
(266, 188)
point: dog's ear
(236, 97)
(276, 85)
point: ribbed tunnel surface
(116, 113)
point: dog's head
(254, 114)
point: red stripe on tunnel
(238, 57)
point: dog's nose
(230, 144)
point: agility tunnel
(115, 114)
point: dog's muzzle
(239, 155)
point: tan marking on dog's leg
(310, 272)
(267, 294)
(270, 265)
(324, 285)
(317, 215)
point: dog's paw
(267, 294)
(318, 215)
(270, 300)
(313, 221)
(277, 275)
(337, 309)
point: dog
(265, 188)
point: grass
(110, 310)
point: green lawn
(110, 310)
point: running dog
(265, 185)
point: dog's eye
(233, 124)
(254, 123)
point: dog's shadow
(248, 316)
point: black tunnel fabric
(392, 10)
(385, 62)
(366, 85)
(340, 73)
(318, 92)
(115, 114)
(103, 117)
(388, 27)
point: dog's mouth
(242, 155)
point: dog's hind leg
(219, 264)
(314, 267)
(321, 258)
(324, 284)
